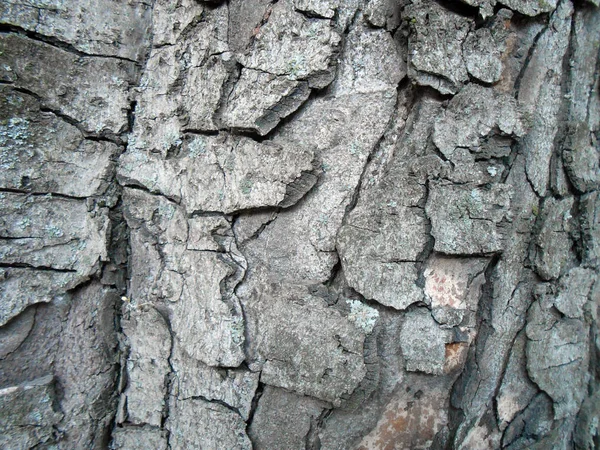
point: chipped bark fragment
(383, 246)
(517, 390)
(234, 387)
(553, 244)
(424, 343)
(383, 13)
(530, 424)
(21, 288)
(289, 325)
(475, 115)
(584, 99)
(50, 245)
(97, 27)
(574, 290)
(146, 438)
(40, 152)
(558, 356)
(434, 47)
(170, 20)
(364, 68)
(208, 327)
(93, 91)
(531, 7)
(260, 101)
(540, 95)
(222, 173)
(468, 219)
(196, 423)
(16, 331)
(581, 159)
(33, 225)
(84, 365)
(289, 44)
(178, 96)
(482, 56)
(207, 233)
(196, 287)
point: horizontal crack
(31, 266)
(57, 43)
(41, 194)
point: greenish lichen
(296, 66)
(363, 316)
(54, 232)
(167, 211)
(237, 330)
(246, 186)
(24, 223)
(171, 140)
(354, 149)
(197, 147)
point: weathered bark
(299, 224)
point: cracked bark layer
(299, 224)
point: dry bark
(299, 224)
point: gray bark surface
(299, 224)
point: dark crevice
(140, 187)
(118, 270)
(4, 265)
(460, 8)
(237, 212)
(429, 92)
(556, 164)
(352, 294)
(312, 440)
(57, 43)
(359, 185)
(234, 72)
(214, 401)
(423, 256)
(131, 115)
(257, 395)
(530, 53)
(41, 194)
(336, 270)
(484, 326)
(109, 138)
(311, 14)
(200, 132)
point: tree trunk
(299, 224)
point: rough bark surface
(299, 224)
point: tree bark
(299, 224)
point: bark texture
(299, 224)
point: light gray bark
(299, 224)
